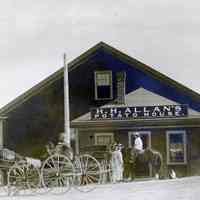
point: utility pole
(66, 104)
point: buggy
(55, 174)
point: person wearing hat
(138, 144)
(135, 151)
(50, 148)
(117, 164)
(63, 148)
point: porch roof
(138, 123)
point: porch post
(1, 133)
(76, 141)
(2, 174)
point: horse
(152, 157)
(146, 157)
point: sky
(34, 34)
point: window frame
(171, 132)
(103, 134)
(111, 84)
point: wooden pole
(66, 104)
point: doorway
(142, 170)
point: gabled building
(111, 96)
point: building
(111, 96)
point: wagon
(102, 153)
(59, 173)
(15, 170)
(56, 174)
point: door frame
(130, 133)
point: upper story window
(176, 147)
(103, 85)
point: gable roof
(132, 62)
(86, 56)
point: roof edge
(139, 65)
(29, 93)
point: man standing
(137, 149)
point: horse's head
(148, 152)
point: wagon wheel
(23, 179)
(33, 177)
(3, 183)
(87, 173)
(106, 171)
(57, 174)
(15, 180)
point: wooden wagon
(55, 174)
(101, 153)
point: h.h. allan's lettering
(139, 112)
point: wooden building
(111, 96)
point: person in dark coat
(129, 173)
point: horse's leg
(133, 168)
(157, 166)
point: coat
(117, 166)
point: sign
(117, 113)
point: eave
(138, 123)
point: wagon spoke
(49, 165)
(84, 180)
(53, 162)
(93, 177)
(62, 179)
(89, 178)
(58, 165)
(86, 163)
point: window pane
(176, 147)
(103, 79)
(103, 92)
(104, 139)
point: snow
(176, 189)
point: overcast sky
(34, 34)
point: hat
(136, 134)
(113, 146)
(121, 146)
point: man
(63, 148)
(138, 144)
(50, 148)
(135, 151)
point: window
(176, 147)
(103, 85)
(103, 138)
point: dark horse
(146, 157)
(152, 157)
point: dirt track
(177, 189)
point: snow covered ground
(177, 189)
